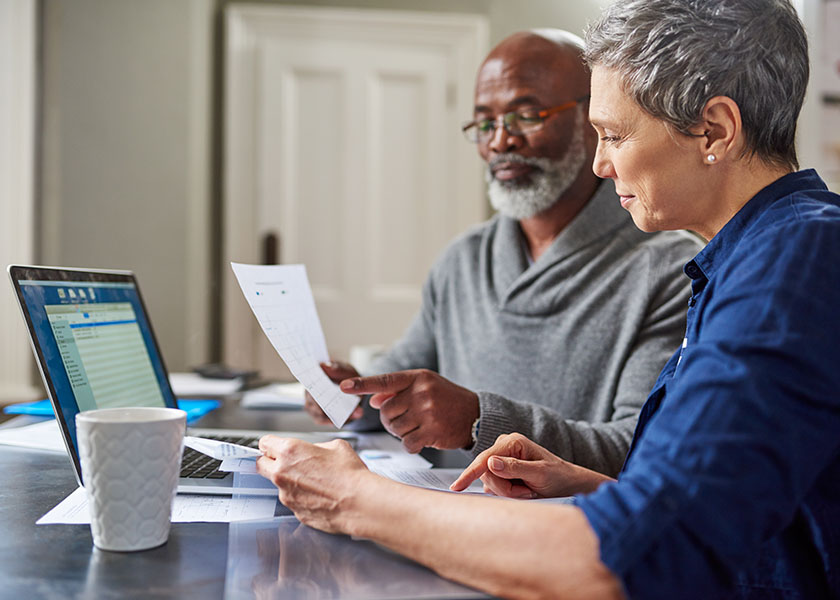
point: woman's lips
(625, 200)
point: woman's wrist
(585, 481)
(368, 490)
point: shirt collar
(706, 263)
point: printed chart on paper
(282, 301)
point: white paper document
(218, 449)
(282, 301)
(393, 459)
(73, 510)
(376, 460)
(42, 436)
(433, 479)
(275, 395)
(193, 384)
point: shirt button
(692, 271)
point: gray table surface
(60, 561)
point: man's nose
(502, 141)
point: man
(558, 311)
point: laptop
(95, 348)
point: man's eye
(610, 139)
(484, 125)
(528, 118)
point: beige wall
(127, 176)
(125, 162)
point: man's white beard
(543, 187)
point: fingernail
(496, 463)
(348, 384)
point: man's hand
(420, 407)
(516, 467)
(315, 481)
(336, 371)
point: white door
(343, 152)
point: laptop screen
(94, 342)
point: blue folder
(195, 409)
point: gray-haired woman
(732, 485)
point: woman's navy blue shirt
(732, 484)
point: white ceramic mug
(131, 458)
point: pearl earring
(711, 158)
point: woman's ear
(721, 127)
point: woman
(732, 485)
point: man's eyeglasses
(515, 123)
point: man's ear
(721, 127)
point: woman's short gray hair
(675, 55)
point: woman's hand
(516, 467)
(317, 482)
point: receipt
(220, 450)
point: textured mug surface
(131, 458)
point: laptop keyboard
(195, 465)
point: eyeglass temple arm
(565, 106)
(543, 113)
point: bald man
(554, 317)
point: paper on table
(393, 459)
(193, 384)
(374, 459)
(73, 510)
(42, 436)
(219, 450)
(282, 301)
(275, 395)
(433, 479)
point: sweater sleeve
(603, 446)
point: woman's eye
(610, 139)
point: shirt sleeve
(602, 446)
(747, 424)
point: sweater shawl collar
(516, 284)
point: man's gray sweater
(563, 350)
